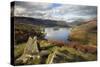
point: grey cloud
(41, 10)
(78, 9)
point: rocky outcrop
(30, 54)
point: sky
(55, 11)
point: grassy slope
(85, 33)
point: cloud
(54, 11)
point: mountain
(81, 21)
(42, 22)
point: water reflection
(59, 34)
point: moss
(18, 50)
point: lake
(57, 34)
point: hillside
(31, 48)
(41, 22)
(85, 33)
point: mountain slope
(42, 22)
